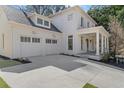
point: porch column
(101, 44)
(97, 43)
(105, 44)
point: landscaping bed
(111, 62)
(87, 85)
(7, 63)
(3, 84)
(108, 59)
(23, 60)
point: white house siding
(85, 21)
(5, 36)
(67, 27)
(13, 48)
(71, 28)
(26, 49)
(77, 37)
(62, 23)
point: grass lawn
(7, 63)
(89, 86)
(3, 84)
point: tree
(101, 14)
(117, 37)
(121, 16)
(45, 9)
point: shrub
(105, 57)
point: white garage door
(30, 46)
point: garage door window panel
(54, 41)
(35, 40)
(48, 41)
(25, 39)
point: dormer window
(39, 21)
(46, 23)
(43, 23)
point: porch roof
(91, 30)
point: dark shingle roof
(20, 16)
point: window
(28, 39)
(88, 24)
(70, 42)
(22, 39)
(38, 40)
(48, 41)
(81, 24)
(46, 23)
(39, 21)
(54, 41)
(70, 17)
(35, 40)
(25, 39)
(81, 43)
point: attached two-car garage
(34, 46)
(28, 44)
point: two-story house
(71, 31)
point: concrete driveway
(75, 74)
(63, 62)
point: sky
(85, 7)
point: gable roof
(20, 16)
(75, 7)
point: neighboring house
(71, 31)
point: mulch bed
(119, 64)
(23, 61)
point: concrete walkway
(53, 76)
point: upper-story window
(88, 24)
(82, 21)
(42, 22)
(70, 17)
(39, 21)
(46, 23)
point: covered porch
(93, 41)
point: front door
(87, 45)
